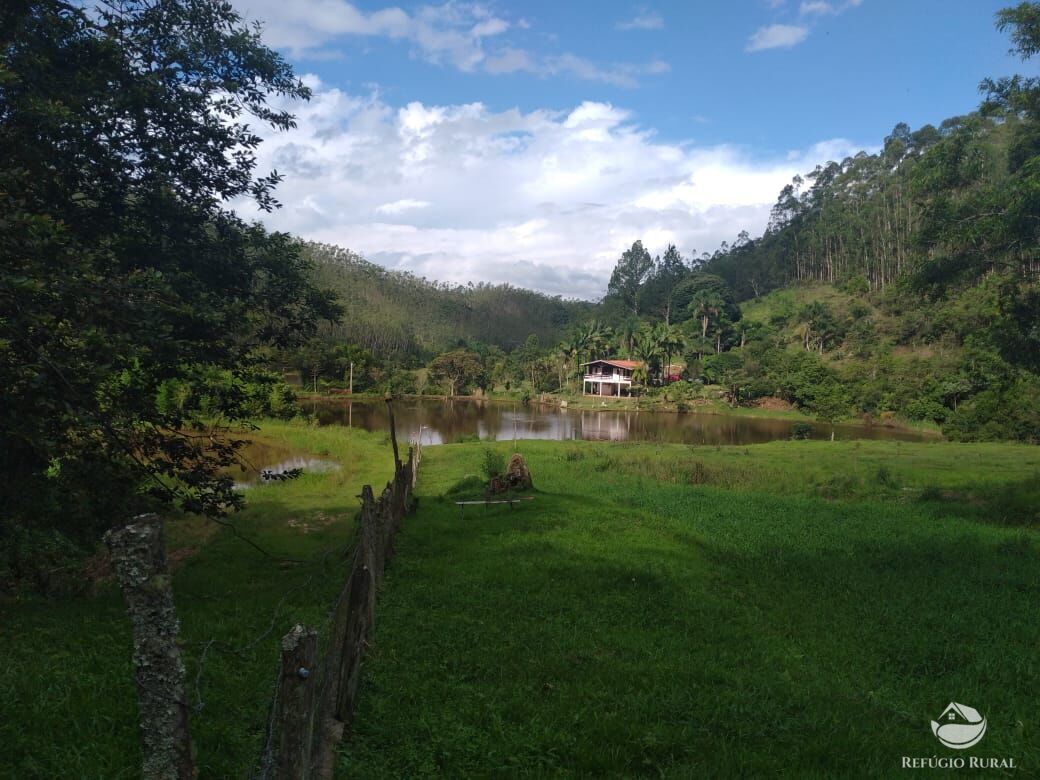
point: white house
(609, 377)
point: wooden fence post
(393, 432)
(360, 607)
(295, 706)
(359, 619)
(139, 556)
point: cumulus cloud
(784, 36)
(541, 199)
(777, 36)
(466, 36)
(644, 20)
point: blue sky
(532, 142)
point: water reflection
(449, 421)
(258, 457)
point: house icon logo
(959, 726)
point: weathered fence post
(393, 432)
(360, 607)
(295, 705)
(139, 556)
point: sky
(531, 143)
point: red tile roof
(629, 364)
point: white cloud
(777, 36)
(541, 199)
(466, 36)
(511, 60)
(644, 20)
(820, 7)
(825, 8)
(401, 206)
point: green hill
(405, 318)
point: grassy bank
(67, 702)
(803, 608)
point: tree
(631, 271)
(626, 334)
(457, 369)
(123, 133)
(655, 296)
(671, 342)
(818, 326)
(711, 302)
(648, 350)
(726, 369)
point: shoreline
(587, 404)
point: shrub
(494, 464)
(801, 431)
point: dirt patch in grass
(314, 523)
(774, 404)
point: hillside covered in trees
(405, 318)
(897, 284)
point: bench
(488, 502)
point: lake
(442, 421)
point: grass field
(68, 707)
(795, 607)
(803, 608)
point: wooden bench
(488, 502)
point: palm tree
(671, 341)
(706, 305)
(648, 349)
(599, 336)
(578, 345)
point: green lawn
(796, 607)
(803, 608)
(67, 702)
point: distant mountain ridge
(397, 314)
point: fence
(315, 700)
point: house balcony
(607, 385)
(613, 378)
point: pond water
(261, 463)
(442, 421)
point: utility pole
(352, 377)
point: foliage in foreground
(136, 307)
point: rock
(517, 474)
